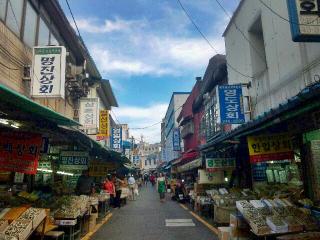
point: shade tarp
(24, 104)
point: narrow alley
(148, 219)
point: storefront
(42, 155)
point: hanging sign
(74, 160)
(216, 164)
(19, 152)
(176, 140)
(103, 124)
(100, 169)
(89, 113)
(48, 72)
(270, 148)
(116, 138)
(230, 104)
(304, 20)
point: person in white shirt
(132, 185)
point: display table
(103, 209)
(71, 227)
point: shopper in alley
(161, 186)
(132, 186)
(85, 184)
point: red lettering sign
(19, 152)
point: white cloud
(91, 25)
(139, 117)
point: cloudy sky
(149, 49)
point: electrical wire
(242, 33)
(207, 40)
(287, 20)
(74, 20)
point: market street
(145, 219)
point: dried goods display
(36, 215)
(19, 229)
(276, 224)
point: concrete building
(275, 67)
(170, 123)
(148, 155)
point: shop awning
(196, 163)
(16, 100)
(307, 100)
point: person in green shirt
(161, 185)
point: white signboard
(48, 72)
(89, 113)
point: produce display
(275, 216)
(36, 215)
(18, 229)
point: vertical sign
(304, 20)
(48, 72)
(176, 139)
(103, 125)
(89, 113)
(116, 138)
(231, 105)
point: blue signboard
(231, 105)
(176, 139)
(304, 20)
(116, 138)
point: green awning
(24, 104)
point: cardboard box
(23, 233)
(92, 223)
(239, 233)
(36, 215)
(3, 225)
(238, 221)
(224, 233)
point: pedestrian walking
(132, 186)
(109, 187)
(146, 179)
(117, 183)
(161, 186)
(152, 179)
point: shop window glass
(30, 27)
(43, 39)
(53, 40)
(14, 15)
(3, 4)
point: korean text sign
(116, 138)
(304, 20)
(216, 164)
(74, 160)
(270, 147)
(89, 113)
(176, 139)
(231, 104)
(48, 72)
(104, 123)
(19, 152)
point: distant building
(170, 123)
(148, 155)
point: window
(14, 15)
(3, 6)
(30, 26)
(150, 162)
(154, 161)
(146, 162)
(43, 39)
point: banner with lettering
(270, 147)
(19, 152)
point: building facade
(170, 124)
(148, 155)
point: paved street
(148, 219)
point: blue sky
(149, 49)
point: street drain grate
(179, 223)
